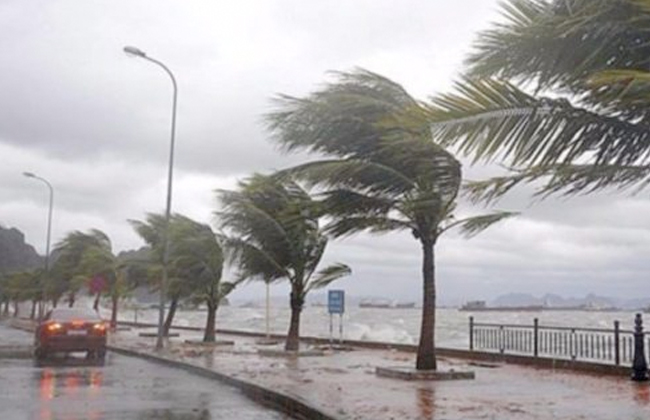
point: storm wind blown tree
(152, 232)
(198, 256)
(99, 264)
(87, 258)
(586, 125)
(273, 233)
(67, 272)
(380, 174)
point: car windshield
(71, 314)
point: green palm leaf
(329, 274)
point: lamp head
(135, 52)
(29, 175)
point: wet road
(125, 388)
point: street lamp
(49, 234)
(136, 52)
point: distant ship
(480, 305)
(385, 304)
(374, 303)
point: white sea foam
(379, 332)
(387, 325)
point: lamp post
(47, 241)
(136, 52)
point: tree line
(557, 93)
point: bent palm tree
(68, 270)
(274, 234)
(384, 175)
(586, 127)
(152, 232)
(198, 256)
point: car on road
(66, 330)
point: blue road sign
(336, 301)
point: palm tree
(99, 263)
(253, 265)
(275, 234)
(152, 232)
(67, 269)
(87, 256)
(195, 264)
(585, 125)
(17, 288)
(4, 294)
(197, 254)
(383, 175)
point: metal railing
(609, 346)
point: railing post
(639, 365)
(502, 340)
(471, 333)
(617, 342)
(535, 337)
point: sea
(392, 325)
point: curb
(289, 405)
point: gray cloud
(95, 123)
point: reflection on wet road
(124, 388)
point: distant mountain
(15, 254)
(517, 299)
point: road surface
(125, 388)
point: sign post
(336, 305)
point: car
(66, 330)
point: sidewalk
(344, 385)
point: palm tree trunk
(71, 299)
(114, 301)
(426, 358)
(293, 338)
(209, 336)
(268, 310)
(173, 304)
(33, 314)
(16, 309)
(6, 309)
(96, 302)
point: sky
(74, 109)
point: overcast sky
(77, 111)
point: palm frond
(472, 226)
(489, 118)
(350, 225)
(327, 275)
(566, 180)
(342, 119)
(352, 173)
(346, 202)
(561, 42)
(252, 261)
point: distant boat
(374, 304)
(404, 305)
(385, 304)
(480, 305)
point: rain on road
(124, 388)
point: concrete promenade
(343, 384)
